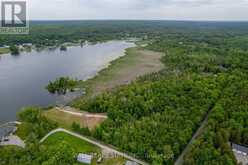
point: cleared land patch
(65, 118)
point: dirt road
(94, 142)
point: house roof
(240, 148)
(84, 158)
(130, 163)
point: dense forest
(154, 118)
(144, 118)
(227, 123)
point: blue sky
(139, 9)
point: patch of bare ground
(66, 116)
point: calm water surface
(23, 78)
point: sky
(213, 10)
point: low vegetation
(137, 62)
(77, 144)
(14, 50)
(66, 120)
(4, 50)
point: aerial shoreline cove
(147, 92)
(28, 74)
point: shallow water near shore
(23, 78)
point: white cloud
(140, 9)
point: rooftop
(84, 158)
(131, 163)
(241, 148)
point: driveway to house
(94, 142)
(76, 112)
(13, 141)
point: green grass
(23, 130)
(64, 120)
(80, 146)
(4, 50)
(77, 144)
(114, 161)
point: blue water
(23, 78)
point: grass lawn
(80, 146)
(77, 144)
(64, 120)
(23, 130)
(114, 161)
(4, 50)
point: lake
(23, 78)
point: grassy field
(66, 120)
(135, 63)
(80, 146)
(4, 50)
(77, 144)
(23, 131)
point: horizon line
(172, 20)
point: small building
(27, 44)
(240, 152)
(5, 46)
(130, 163)
(239, 149)
(84, 158)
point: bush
(14, 50)
(33, 122)
(61, 85)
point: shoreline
(120, 54)
(6, 51)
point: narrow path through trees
(199, 131)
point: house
(130, 163)
(4, 46)
(84, 158)
(240, 153)
(239, 149)
(27, 44)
